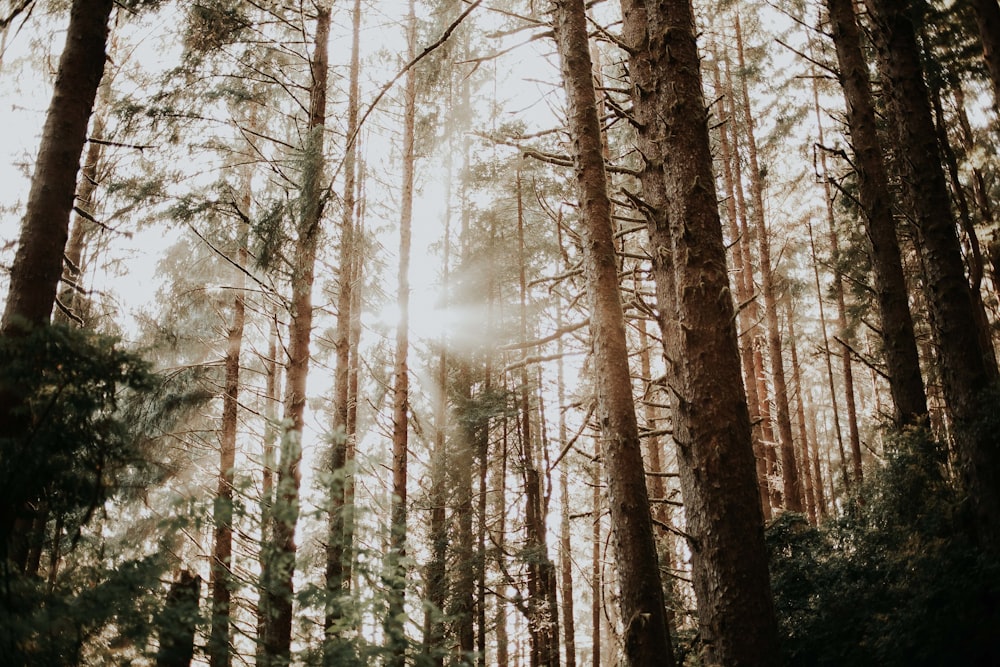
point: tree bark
(963, 371)
(396, 641)
(222, 551)
(646, 640)
(280, 567)
(898, 339)
(711, 420)
(338, 548)
(34, 275)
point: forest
(511, 333)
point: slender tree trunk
(963, 371)
(800, 416)
(565, 543)
(847, 366)
(396, 641)
(745, 298)
(271, 391)
(280, 565)
(338, 550)
(222, 581)
(898, 339)
(646, 640)
(596, 583)
(791, 492)
(543, 629)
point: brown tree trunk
(271, 393)
(898, 339)
(565, 543)
(34, 275)
(338, 549)
(847, 367)
(800, 416)
(222, 551)
(711, 420)
(746, 301)
(280, 566)
(791, 491)
(963, 371)
(542, 627)
(395, 569)
(38, 262)
(646, 640)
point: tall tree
(395, 569)
(339, 549)
(646, 640)
(38, 263)
(710, 417)
(280, 566)
(898, 339)
(988, 22)
(791, 492)
(964, 373)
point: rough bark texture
(898, 340)
(280, 567)
(34, 275)
(646, 640)
(38, 263)
(711, 420)
(963, 372)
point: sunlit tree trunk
(280, 565)
(338, 549)
(222, 581)
(395, 633)
(565, 544)
(791, 492)
(746, 301)
(963, 371)
(272, 391)
(646, 640)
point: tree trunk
(542, 627)
(791, 491)
(847, 366)
(280, 567)
(746, 301)
(38, 263)
(222, 550)
(963, 371)
(34, 275)
(646, 640)
(827, 354)
(395, 569)
(338, 550)
(565, 543)
(800, 416)
(898, 339)
(271, 393)
(711, 420)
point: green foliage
(65, 442)
(896, 580)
